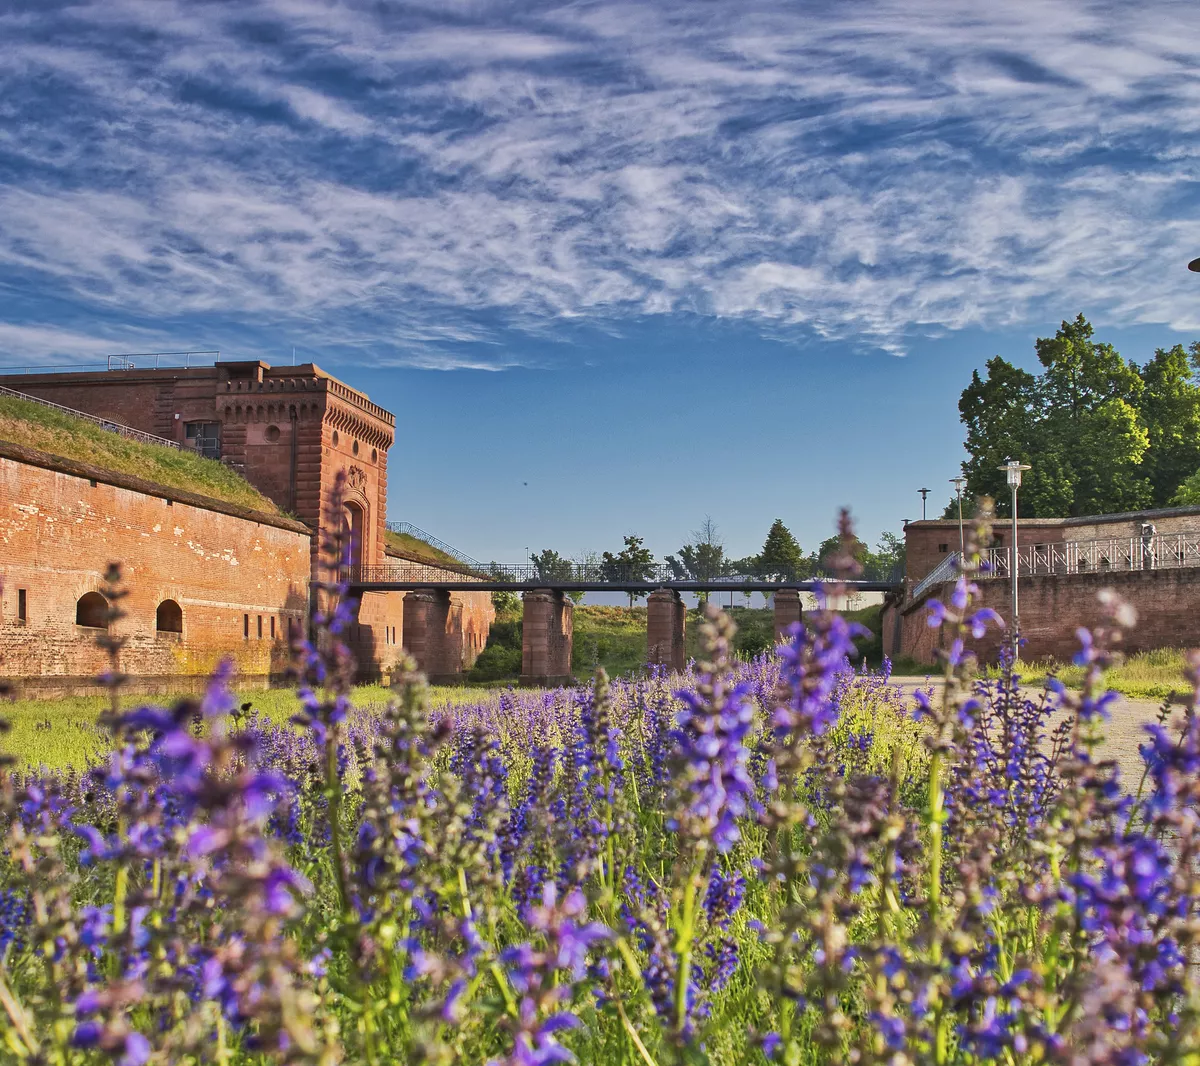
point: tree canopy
(634, 562)
(702, 559)
(1100, 433)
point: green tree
(634, 562)
(781, 558)
(701, 560)
(887, 560)
(1077, 424)
(1000, 414)
(551, 566)
(1170, 411)
(832, 546)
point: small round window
(354, 448)
(272, 434)
(335, 438)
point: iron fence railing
(1161, 551)
(597, 575)
(103, 423)
(410, 530)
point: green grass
(63, 732)
(34, 426)
(1150, 675)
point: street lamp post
(1013, 469)
(958, 483)
(924, 493)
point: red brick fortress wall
(1054, 607)
(241, 582)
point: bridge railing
(568, 573)
(1162, 551)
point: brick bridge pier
(548, 632)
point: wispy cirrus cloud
(397, 181)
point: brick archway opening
(356, 525)
(169, 617)
(91, 611)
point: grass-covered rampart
(34, 426)
(413, 548)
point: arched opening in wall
(169, 617)
(354, 529)
(91, 610)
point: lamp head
(1194, 265)
(1012, 470)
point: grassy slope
(1151, 675)
(63, 732)
(418, 549)
(35, 426)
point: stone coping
(34, 457)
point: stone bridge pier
(787, 611)
(548, 630)
(664, 629)
(433, 634)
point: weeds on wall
(769, 861)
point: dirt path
(1123, 733)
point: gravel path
(1123, 733)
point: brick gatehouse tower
(287, 430)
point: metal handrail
(123, 361)
(1161, 551)
(104, 423)
(410, 530)
(946, 570)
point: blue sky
(615, 266)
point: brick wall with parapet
(239, 576)
(1053, 608)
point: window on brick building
(204, 437)
(943, 548)
(22, 606)
(260, 627)
(169, 617)
(91, 610)
(272, 627)
(245, 627)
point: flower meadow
(782, 860)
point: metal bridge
(575, 577)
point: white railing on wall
(1162, 551)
